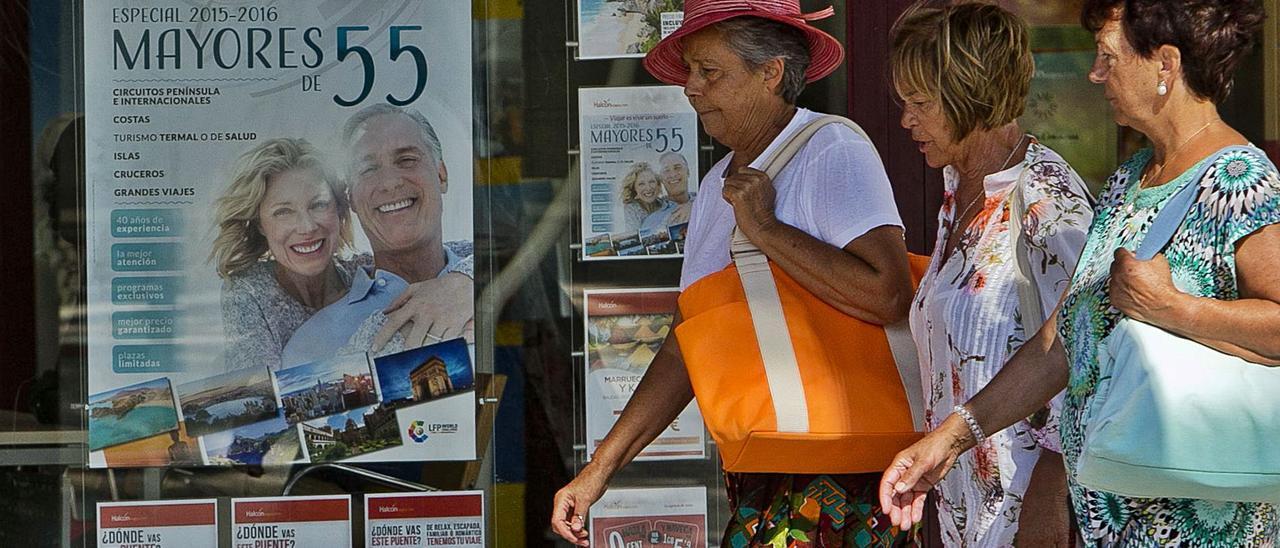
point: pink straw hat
(665, 63)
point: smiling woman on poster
(641, 195)
(417, 279)
(282, 223)
(678, 201)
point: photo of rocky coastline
(131, 413)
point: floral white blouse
(966, 321)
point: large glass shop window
(385, 272)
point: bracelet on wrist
(978, 435)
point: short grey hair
(673, 154)
(757, 41)
(361, 117)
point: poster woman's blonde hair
(240, 243)
(629, 193)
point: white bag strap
(1028, 292)
(790, 406)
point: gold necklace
(955, 221)
(1148, 175)
(1003, 166)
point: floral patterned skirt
(803, 511)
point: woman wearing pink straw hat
(828, 220)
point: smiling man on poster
(397, 179)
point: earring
(1162, 88)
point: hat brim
(666, 62)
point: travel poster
(274, 442)
(228, 400)
(350, 434)
(639, 154)
(625, 28)
(624, 330)
(252, 169)
(172, 448)
(672, 517)
(1069, 114)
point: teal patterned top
(1239, 195)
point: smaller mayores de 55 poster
(639, 154)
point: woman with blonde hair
(282, 224)
(641, 194)
(1165, 66)
(1013, 221)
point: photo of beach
(270, 442)
(226, 401)
(131, 413)
(609, 29)
(352, 433)
(424, 374)
(599, 246)
(326, 387)
(173, 448)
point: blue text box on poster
(144, 358)
(156, 290)
(147, 324)
(145, 257)
(146, 223)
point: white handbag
(1174, 418)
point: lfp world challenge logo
(418, 431)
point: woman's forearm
(1031, 378)
(871, 284)
(663, 393)
(1247, 327)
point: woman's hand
(430, 311)
(1044, 519)
(918, 468)
(569, 511)
(750, 192)
(1142, 290)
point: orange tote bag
(786, 382)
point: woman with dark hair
(1165, 65)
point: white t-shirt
(835, 189)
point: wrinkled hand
(1044, 519)
(430, 311)
(569, 511)
(1141, 289)
(915, 471)
(751, 193)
